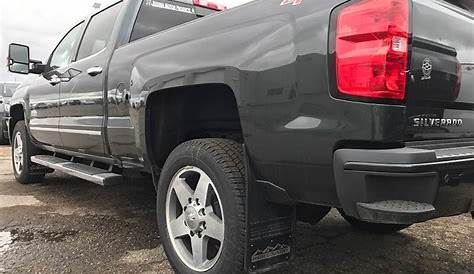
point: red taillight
(372, 49)
(209, 5)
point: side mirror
(19, 59)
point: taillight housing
(209, 5)
(371, 49)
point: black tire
(28, 174)
(311, 214)
(373, 227)
(222, 161)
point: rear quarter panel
(275, 59)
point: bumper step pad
(396, 212)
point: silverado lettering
(436, 122)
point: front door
(81, 97)
(44, 91)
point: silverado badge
(436, 122)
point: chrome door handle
(94, 71)
(55, 80)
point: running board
(92, 174)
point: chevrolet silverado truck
(250, 118)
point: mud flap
(270, 229)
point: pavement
(67, 225)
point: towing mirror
(19, 59)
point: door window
(64, 53)
(98, 31)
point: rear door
(440, 95)
(82, 97)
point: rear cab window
(464, 4)
(158, 15)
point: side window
(155, 16)
(64, 53)
(98, 31)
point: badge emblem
(427, 68)
(293, 2)
(270, 252)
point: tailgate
(440, 94)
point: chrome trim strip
(67, 130)
(81, 131)
(44, 129)
(455, 155)
(356, 165)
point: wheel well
(181, 114)
(16, 114)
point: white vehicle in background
(6, 91)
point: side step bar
(96, 175)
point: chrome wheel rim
(18, 153)
(195, 218)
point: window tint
(98, 31)
(64, 53)
(465, 4)
(155, 16)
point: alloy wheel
(195, 218)
(18, 152)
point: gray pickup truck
(250, 118)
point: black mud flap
(270, 229)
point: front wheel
(22, 150)
(201, 207)
(373, 227)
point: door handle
(94, 71)
(55, 80)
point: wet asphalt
(67, 225)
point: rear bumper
(406, 185)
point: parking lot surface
(67, 225)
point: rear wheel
(200, 207)
(373, 227)
(22, 150)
